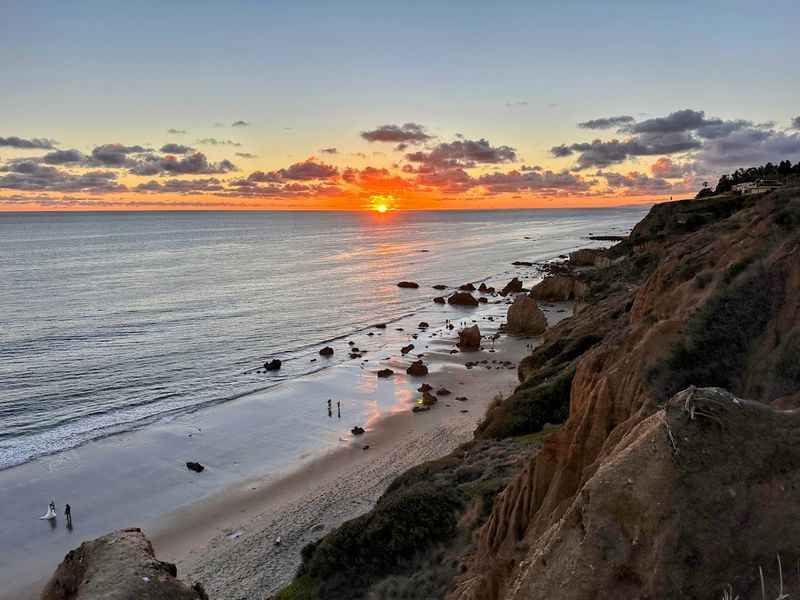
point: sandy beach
(221, 527)
(228, 542)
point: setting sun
(381, 203)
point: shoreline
(226, 539)
(240, 557)
(216, 505)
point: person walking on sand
(68, 516)
(339, 408)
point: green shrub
(788, 217)
(403, 523)
(302, 588)
(718, 338)
(532, 405)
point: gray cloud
(411, 133)
(182, 186)
(246, 155)
(301, 171)
(62, 157)
(240, 124)
(173, 148)
(33, 176)
(747, 147)
(217, 142)
(533, 179)
(330, 150)
(193, 164)
(18, 142)
(606, 123)
(114, 155)
(796, 123)
(176, 131)
(463, 154)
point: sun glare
(381, 203)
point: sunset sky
(349, 105)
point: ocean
(110, 322)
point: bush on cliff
(719, 337)
(403, 523)
(533, 404)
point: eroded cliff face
(716, 303)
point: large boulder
(512, 287)
(525, 317)
(559, 288)
(118, 566)
(462, 299)
(469, 338)
(586, 257)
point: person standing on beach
(330, 411)
(68, 516)
(339, 408)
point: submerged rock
(439, 300)
(118, 565)
(326, 351)
(467, 287)
(357, 430)
(273, 365)
(407, 349)
(408, 284)
(385, 373)
(195, 466)
(440, 286)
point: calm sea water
(109, 322)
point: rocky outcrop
(273, 365)
(588, 257)
(417, 369)
(462, 299)
(118, 566)
(512, 287)
(525, 317)
(469, 338)
(559, 288)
